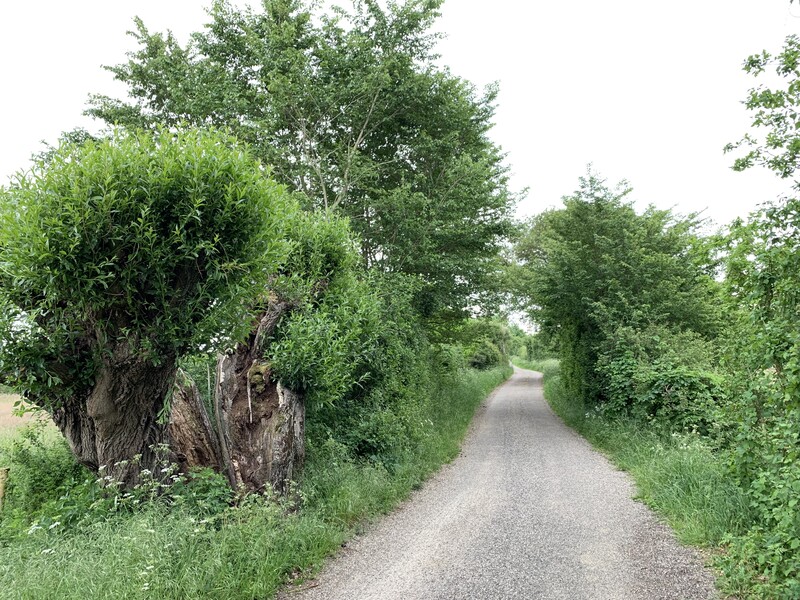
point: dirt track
(530, 511)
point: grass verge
(244, 552)
(678, 475)
(547, 366)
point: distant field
(7, 420)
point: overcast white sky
(646, 91)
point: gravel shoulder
(528, 510)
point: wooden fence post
(3, 479)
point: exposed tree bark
(77, 426)
(287, 439)
(113, 427)
(190, 434)
(261, 423)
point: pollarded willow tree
(351, 109)
(117, 258)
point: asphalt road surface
(528, 510)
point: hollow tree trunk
(189, 433)
(118, 421)
(261, 423)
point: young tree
(763, 260)
(350, 109)
(119, 257)
(764, 278)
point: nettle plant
(117, 258)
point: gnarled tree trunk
(190, 435)
(113, 428)
(261, 423)
(259, 443)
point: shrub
(486, 356)
(42, 468)
(448, 359)
(378, 416)
(661, 375)
(766, 458)
(352, 343)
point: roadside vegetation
(255, 312)
(262, 306)
(63, 533)
(679, 350)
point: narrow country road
(529, 510)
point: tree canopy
(774, 111)
(350, 109)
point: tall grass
(244, 552)
(677, 474)
(547, 366)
